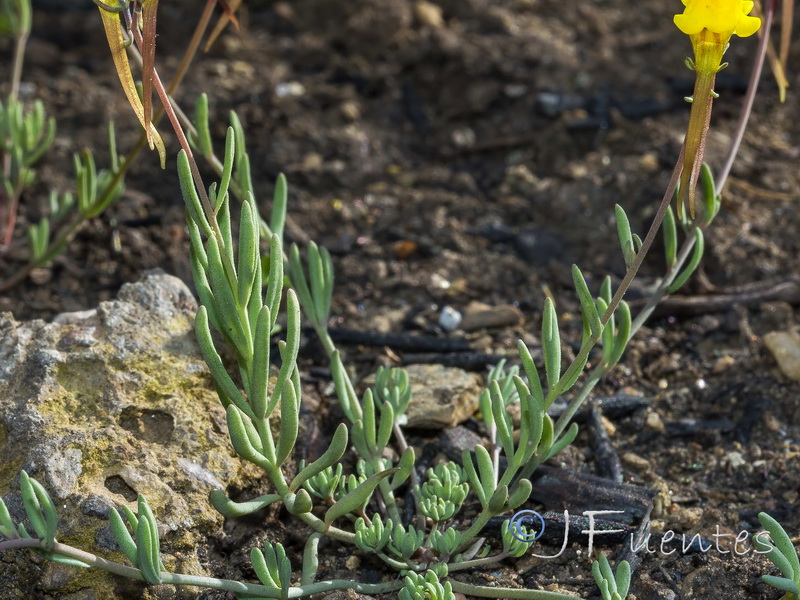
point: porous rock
(101, 406)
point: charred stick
(399, 341)
(469, 361)
(606, 459)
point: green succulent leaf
(279, 202)
(697, 255)
(230, 509)
(784, 546)
(123, 536)
(625, 236)
(783, 584)
(358, 498)
(566, 439)
(40, 509)
(670, 229)
(331, 456)
(7, 528)
(193, 204)
(202, 141)
(588, 307)
(551, 343)
(148, 558)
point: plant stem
(20, 42)
(206, 582)
(750, 96)
(469, 589)
(688, 245)
(476, 527)
(478, 562)
(586, 347)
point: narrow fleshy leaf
(214, 362)
(49, 513)
(190, 196)
(369, 426)
(7, 528)
(279, 202)
(486, 474)
(606, 293)
(782, 542)
(241, 438)
(358, 497)
(262, 571)
(697, 255)
(227, 166)
(249, 259)
(386, 425)
(290, 412)
(299, 503)
(587, 302)
(622, 334)
(147, 545)
(331, 456)
(781, 583)
(502, 419)
(623, 578)
(289, 349)
(274, 292)
(670, 229)
(310, 559)
(497, 502)
(625, 236)
(566, 439)
(203, 140)
(230, 509)
(405, 466)
(551, 343)
(259, 384)
(33, 508)
(531, 372)
(123, 536)
(520, 495)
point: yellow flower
(710, 25)
(718, 16)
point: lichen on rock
(106, 404)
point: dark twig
(606, 459)
(398, 341)
(751, 295)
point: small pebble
(428, 14)
(449, 319)
(350, 111)
(635, 462)
(609, 426)
(290, 88)
(735, 459)
(723, 364)
(785, 347)
(505, 315)
(654, 422)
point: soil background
(472, 150)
